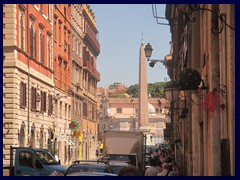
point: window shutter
(31, 40)
(50, 105)
(22, 30)
(21, 94)
(44, 101)
(25, 94)
(42, 49)
(33, 98)
(84, 54)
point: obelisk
(142, 97)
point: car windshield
(46, 158)
(116, 168)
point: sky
(121, 28)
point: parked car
(91, 174)
(116, 166)
(86, 167)
(25, 161)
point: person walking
(167, 170)
(151, 171)
(159, 166)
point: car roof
(86, 167)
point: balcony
(90, 37)
(91, 69)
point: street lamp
(148, 52)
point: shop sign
(73, 125)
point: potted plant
(189, 79)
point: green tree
(154, 90)
(133, 90)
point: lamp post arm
(156, 60)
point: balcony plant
(189, 79)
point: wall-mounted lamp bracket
(221, 17)
(148, 52)
(155, 15)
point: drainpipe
(28, 49)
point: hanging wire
(160, 67)
(201, 96)
(155, 15)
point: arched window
(41, 138)
(32, 137)
(22, 135)
(21, 28)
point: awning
(101, 146)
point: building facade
(122, 114)
(77, 73)
(49, 94)
(28, 81)
(62, 75)
(203, 38)
(90, 77)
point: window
(65, 46)
(65, 112)
(33, 99)
(27, 159)
(119, 110)
(76, 109)
(43, 101)
(69, 110)
(65, 34)
(73, 107)
(41, 8)
(85, 109)
(50, 105)
(76, 48)
(21, 28)
(60, 60)
(32, 137)
(60, 109)
(49, 11)
(49, 49)
(32, 38)
(93, 113)
(22, 135)
(41, 44)
(80, 110)
(60, 34)
(23, 101)
(77, 76)
(79, 50)
(55, 29)
(73, 46)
